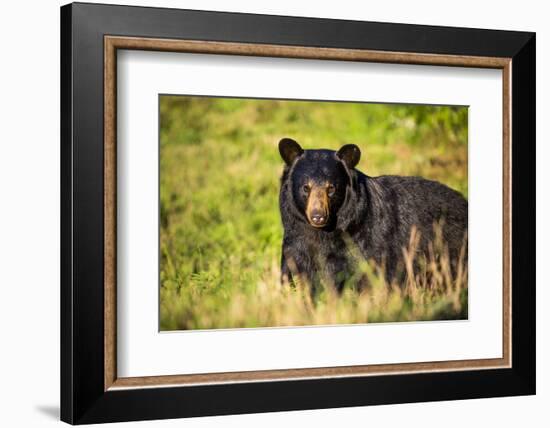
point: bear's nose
(318, 219)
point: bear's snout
(317, 210)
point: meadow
(220, 227)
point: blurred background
(220, 234)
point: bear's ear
(350, 155)
(289, 150)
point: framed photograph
(266, 213)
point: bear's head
(318, 180)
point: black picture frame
(83, 398)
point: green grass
(221, 232)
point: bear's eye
(331, 190)
(306, 188)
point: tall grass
(221, 232)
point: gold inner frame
(113, 43)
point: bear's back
(418, 202)
(423, 194)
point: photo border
(112, 44)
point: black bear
(326, 204)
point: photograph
(280, 212)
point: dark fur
(375, 213)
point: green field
(220, 233)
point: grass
(221, 232)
